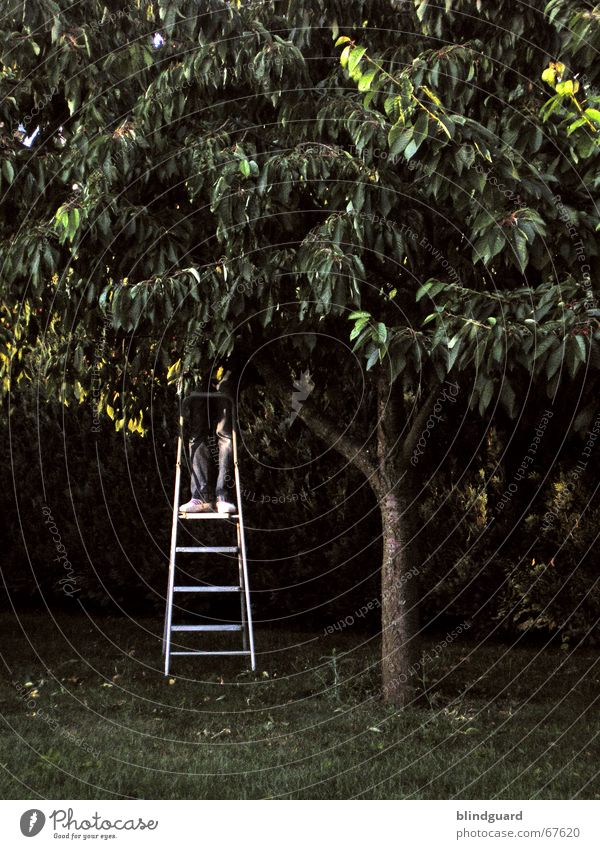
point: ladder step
(221, 516)
(211, 589)
(208, 652)
(206, 627)
(207, 549)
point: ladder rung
(208, 516)
(206, 627)
(207, 549)
(211, 589)
(209, 652)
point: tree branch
(323, 426)
(419, 422)
(351, 449)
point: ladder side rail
(241, 585)
(243, 548)
(172, 553)
(241, 581)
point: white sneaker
(196, 505)
(224, 506)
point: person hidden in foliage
(211, 450)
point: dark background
(312, 531)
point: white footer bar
(347, 824)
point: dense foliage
(289, 180)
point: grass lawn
(99, 720)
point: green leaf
(398, 137)
(382, 333)
(344, 55)
(410, 150)
(173, 371)
(549, 76)
(8, 172)
(372, 358)
(496, 242)
(554, 361)
(486, 396)
(356, 55)
(453, 351)
(424, 289)
(364, 84)
(421, 129)
(567, 87)
(521, 251)
(358, 327)
(575, 125)
(343, 39)
(74, 218)
(581, 347)
(594, 114)
(245, 167)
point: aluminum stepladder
(242, 586)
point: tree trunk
(397, 494)
(400, 653)
(395, 484)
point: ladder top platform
(221, 516)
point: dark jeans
(211, 451)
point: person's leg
(202, 466)
(225, 488)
